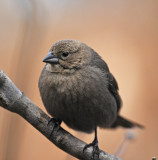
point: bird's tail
(122, 122)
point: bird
(77, 88)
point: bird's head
(69, 54)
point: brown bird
(77, 88)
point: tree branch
(12, 99)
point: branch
(12, 99)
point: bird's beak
(50, 58)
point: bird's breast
(81, 99)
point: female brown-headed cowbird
(77, 87)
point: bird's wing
(113, 88)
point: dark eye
(65, 54)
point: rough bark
(12, 99)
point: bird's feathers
(81, 90)
(123, 122)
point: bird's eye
(65, 54)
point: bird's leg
(57, 122)
(94, 144)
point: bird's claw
(96, 150)
(56, 124)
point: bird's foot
(96, 150)
(56, 124)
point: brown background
(125, 33)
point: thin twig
(129, 136)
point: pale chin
(57, 68)
(54, 68)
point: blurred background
(124, 33)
